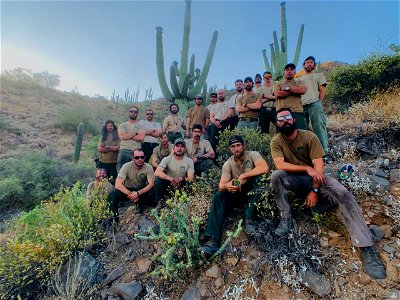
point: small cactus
(78, 143)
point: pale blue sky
(101, 45)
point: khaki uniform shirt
(173, 123)
(248, 99)
(130, 128)
(264, 91)
(192, 150)
(232, 102)
(312, 81)
(220, 110)
(301, 151)
(198, 115)
(147, 125)
(136, 178)
(159, 153)
(109, 157)
(101, 189)
(177, 168)
(293, 101)
(232, 169)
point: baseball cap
(199, 96)
(235, 139)
(180, 141)
(213, 94)
(291, 65)
(248, 79)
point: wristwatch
(287, 88)
(315, 190)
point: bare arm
(159, 173)
(261, 167)
(322, 89)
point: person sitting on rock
(135, 182)
(238, 178)
(297, 155)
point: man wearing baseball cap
(238, 178)
(248, 106)
(173, 171)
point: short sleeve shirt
(232, 102)
(159, 153)
(147, 125)
(293, 101)
(248, 99)
(177, 168)
(173, 123)
(220, 110)
(192, 150)
(136, 178)
(301, 151)
(312, 81)
(130, 128)
(232, 169)
(198, 115)
(109, 157)
(264, 91)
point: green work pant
(267, 116)
(163, 188)
(314, 112)
(202, 166)
(222, 201)
(172, 136)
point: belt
(174, 132)
(249, 119)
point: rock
(143, 225)
(338, 291)
(378, 183)
(192, 293)
(232, 261)
(131, 255)
(387, 231)
(368, 145)
(122, 238)
(395, 176)
(219, 282)
(128, 291)
(364, 278)
(204, 290)
(382, 174)
(315, 282)
(392, 272)
(213, 272)
(393, 294)
(114, 274)
(388, 249)
(333, 234)
(395, 189)
(341, 281)
(143, 264)
(340, 241)
(371, 171)
(324, 242)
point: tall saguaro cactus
(278, 49)
(78, 143)
(191, 80)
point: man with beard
(100, 187)
(238, 178)
(173, 171)
(161, 151)
(200, 151)
(268, 111)
(288, 93)
(248, 106)
(135, 182)
(297, 156)
(173, 123)
(198, 114)
(131, 134)
(233, 115)
(152, 132)
(108, 148)
(257, 84)
(312, 100)
(219, 118)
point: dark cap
(213, 94)
(248, 79)
(310, 57)
(257, 75)
(180, 141)
(235, 139)
(291, 65)
(199, 96)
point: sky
(99, 46)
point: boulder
(192, 293)
(128, 291)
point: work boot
(371, 263)
(315, 282)
(250, 226)
(210, 247)
(284, 227)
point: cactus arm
(206, 67)
(184, 93)
(160, 66)
(273, 58)
(174, 82)
(284, 32)
(266, 62)
(298, 46)
(204, 93)
(185, 44)
(78, 143)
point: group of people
(297, 153)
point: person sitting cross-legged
(135, 182)
(297, 155)
(239, 176)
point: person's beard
(239, 90)
(287, 129)
(258, 80)
(179, 154)
(309, 69)
(248, 88)
(133, 117)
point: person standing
(312, 100)
(233, 115)
(131, 135)
(210, 107)
(248, 106)
(268, 110)
(152, 132)
(198, 114)
(108, 148)
(173, 123)
(288, 93)
(219, 118)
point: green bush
(46, 236)
(31, 176)
(91, 146)
(68, 119)
(350, 84)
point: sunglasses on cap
(283, 118)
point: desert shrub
(351, 84)
(30, 176)
(68, 119)
(91, 146)
(44, 237)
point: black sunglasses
(149, 114)
(138, 157)
(133, 111)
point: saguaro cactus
(190, 81)
(78, 143)
(279, 50)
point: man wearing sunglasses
(135, 183)
(297, 155)
(152, 132)
(131, 135)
